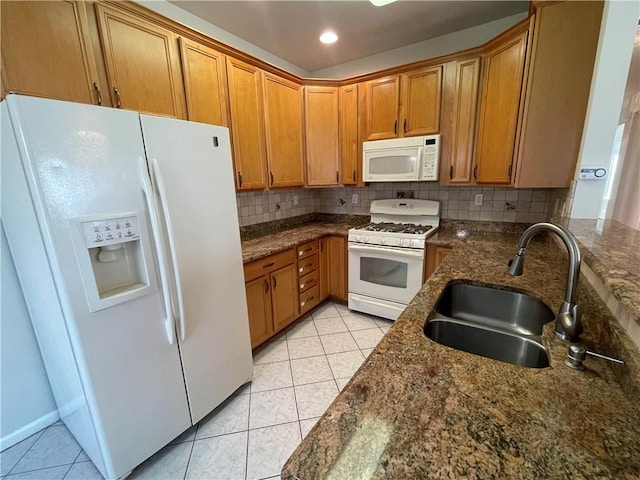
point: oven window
(389, 273)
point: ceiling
(290, 29)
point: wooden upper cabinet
(143, 64)
(404, 105)
(382, 100)
(565, 41)
(205, 83)
(349, 146)
(283, 131)
(247, 128)
(499, 110)
(421, 96)
(321, 130)
(46, 51)
(463, 121)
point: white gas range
(386, 256)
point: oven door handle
(401, 252)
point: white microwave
(407, 159)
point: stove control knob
(383, 240)
(358, 238)
(415, 243)
(402, 242)
(366, 238)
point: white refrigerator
(124, 231)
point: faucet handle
(577, 353)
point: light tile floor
(296, 376)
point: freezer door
(73, 162)
(191, 169)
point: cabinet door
(463, 125)
(337, 267)
(259, 309)
(205, 83)
(284, 296)
(499, 108)
(321, 130)
(421, 98)
(143, 65)
(565, 41)
(283, 131)
(349, 158)
(382, 99)
(333, 268)
(46, 51)
(247, 127)
(435, 256)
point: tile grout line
(41, 433)
(193, 442)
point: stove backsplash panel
(457, 203)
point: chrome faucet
(568, 326)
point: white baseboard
(29, 429)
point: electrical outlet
(354, 198)
(478, 199)
(295, 199)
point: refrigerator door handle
(145, 184)
(156, 174)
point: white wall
(617, 32)
(435, 47)
(26, 401)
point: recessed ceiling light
(381, 3)
(328, 37)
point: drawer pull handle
(98, 94)
(268, 265)
(117, 93)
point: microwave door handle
(401, 252)
(145, 184)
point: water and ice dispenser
(118, 268)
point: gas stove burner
(396, 227)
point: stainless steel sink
(503, 309)
(491, 322)
(488, 342)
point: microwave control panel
(430, 157)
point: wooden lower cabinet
(283, 287)
(283, 296)
(259, 309)
(272, 298)
(435, 256)
(333, 267)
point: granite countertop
(417, 409)
(264, 245)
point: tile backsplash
(457, 203)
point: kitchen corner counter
(417, 409)
(264, 245)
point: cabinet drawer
(309, 299)
(268, 264)
(307, 265)
(308, 281)
(307, 249)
